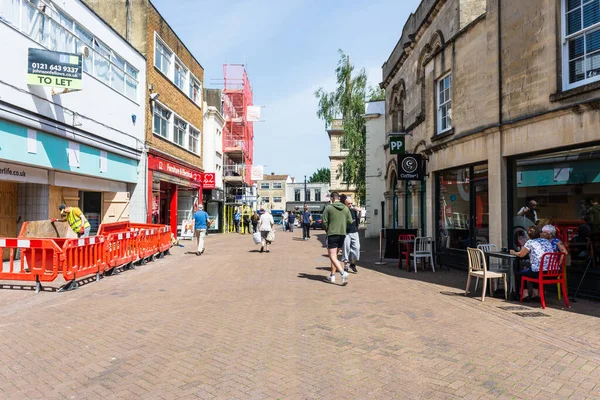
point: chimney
(272, 173)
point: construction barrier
(116, 245)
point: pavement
(237, 324)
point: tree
(321, 175)
(348, 103)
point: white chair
(423, 249)
(495, 264)
(478, 269)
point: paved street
(234, 323)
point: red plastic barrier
(82, 257)
(39, 261)
(113, 227)
(164, 242)
(148, 240)
(121, 248)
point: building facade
(174, 109)
(375, 166)
(315, 195)
(500, 100)
(82, 147)
(272, 192)
(212, 146)
(337, 156)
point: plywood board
(8, 211)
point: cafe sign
(410, 167)
(54, 69)
(397, 144)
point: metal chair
(478, 269)
(423, 249)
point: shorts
(335, 241)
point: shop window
(194, 141)
(444, 104)
(581, 36)
(297, 195)
(161, 121)
(317, 194)
(557, 189)
(277, 185)
(179, 132)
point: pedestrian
(351, 250)
(336, 219)
(306, 223)
(592, 216)
(201, 224)
(255, 218)
(284, 221)
(77, 221)
(236, 219)
(265, 225)
(291, 221)
(246, 223)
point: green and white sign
(54, 69)
(397, 144)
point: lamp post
(305, 188)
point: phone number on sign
(56, 68)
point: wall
(375, 166)
(170, 95)
(213, 143)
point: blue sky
(290, 50)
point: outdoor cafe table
(514, 264)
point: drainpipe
(500, 102)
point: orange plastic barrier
(82, 257)
(164, 242)
(121, 248)
(113, 227)
(39, 260)
(148, 240)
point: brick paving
(234, 323)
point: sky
(290, 49)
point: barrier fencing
(117, 245)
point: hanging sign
(397, 144)
(54, 69)
(257, 173)
(410, 167)
(253, 113)
(208, 180)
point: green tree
(321, 175)
(376, 93)
(348, 103)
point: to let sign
(54, 69)
(397, 144)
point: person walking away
(351, 250)
(593, 215)
(236, 219)
(201, 224)
(284, 221)
(291, 221)
(265, 225)
(246, 224)
(306, 222)
(336, 219)
(77, 221)
(255, 218)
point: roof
(275, 177)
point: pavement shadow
(311, 277)
(297, 239)
(324, 268)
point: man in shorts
(336, 218)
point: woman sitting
(535, 247)
(549, 233)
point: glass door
(480, 231)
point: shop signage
(54, 69)
(257, 173)
(410, 167)
(19, 173)
(247, 199)
(397, 144)
(174, 169)
(217, 195)
(208, 180)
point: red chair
(405, 249)
(555, 273)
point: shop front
(213, 205)
(174, 190)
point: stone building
(337, 157)
(174, 108)
(271, 192)
(500, 98)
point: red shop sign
(173, 169)
(208, 180)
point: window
(307, 195)
(343, 143)
(317, 194)
(181, 74)
(194, 141)
(162, 57)
(195, 90)
(345, 173)
(179, 132)
(276, 199)
(277, 185)
(264, 185)
(444, 104)
(297, 195)
(581, 39)
(161, 121)
(265, 200)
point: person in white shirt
(284, 221)
(265, 225)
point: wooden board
(8, 211)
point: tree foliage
(347, 103)
(321, 175)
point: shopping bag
(271, 236)
(256, 237)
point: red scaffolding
(238, 133)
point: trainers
(353, 267)
(344, 279)
(331, 279)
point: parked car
(317, 221)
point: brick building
(174, 108)
(500, 99)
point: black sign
(217, 195)
(410, 167)
(53, 68)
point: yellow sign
(54, 81)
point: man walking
(201, 224)
(351, 250)
(77, 221)
(284, 221)
(336, 218)
(306, 222)
(291, 220)
(237, 217)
